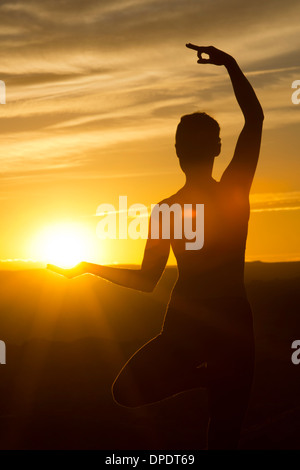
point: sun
(64, 245)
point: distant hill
(259, 271)
(254, 269)
(18, 264)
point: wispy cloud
(86, 76)
(275, 201)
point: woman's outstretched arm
(144, 279)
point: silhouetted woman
(207, 335)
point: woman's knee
(123, 394)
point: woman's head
(197, 140)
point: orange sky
(94, 92)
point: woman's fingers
(213, 55)
(57, 269)
(69, 272)
(51, 267)
(204, 61)
(200, 49)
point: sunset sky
(94, 92)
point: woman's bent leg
(156, 371)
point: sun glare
(64, 245)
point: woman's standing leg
(230, 382)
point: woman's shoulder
(173, 198)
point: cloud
(267, 202)
(83, 75)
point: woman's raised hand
(216, 56)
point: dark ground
(67, 340)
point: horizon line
(18, 263)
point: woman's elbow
(149, 287)
(148, 284)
